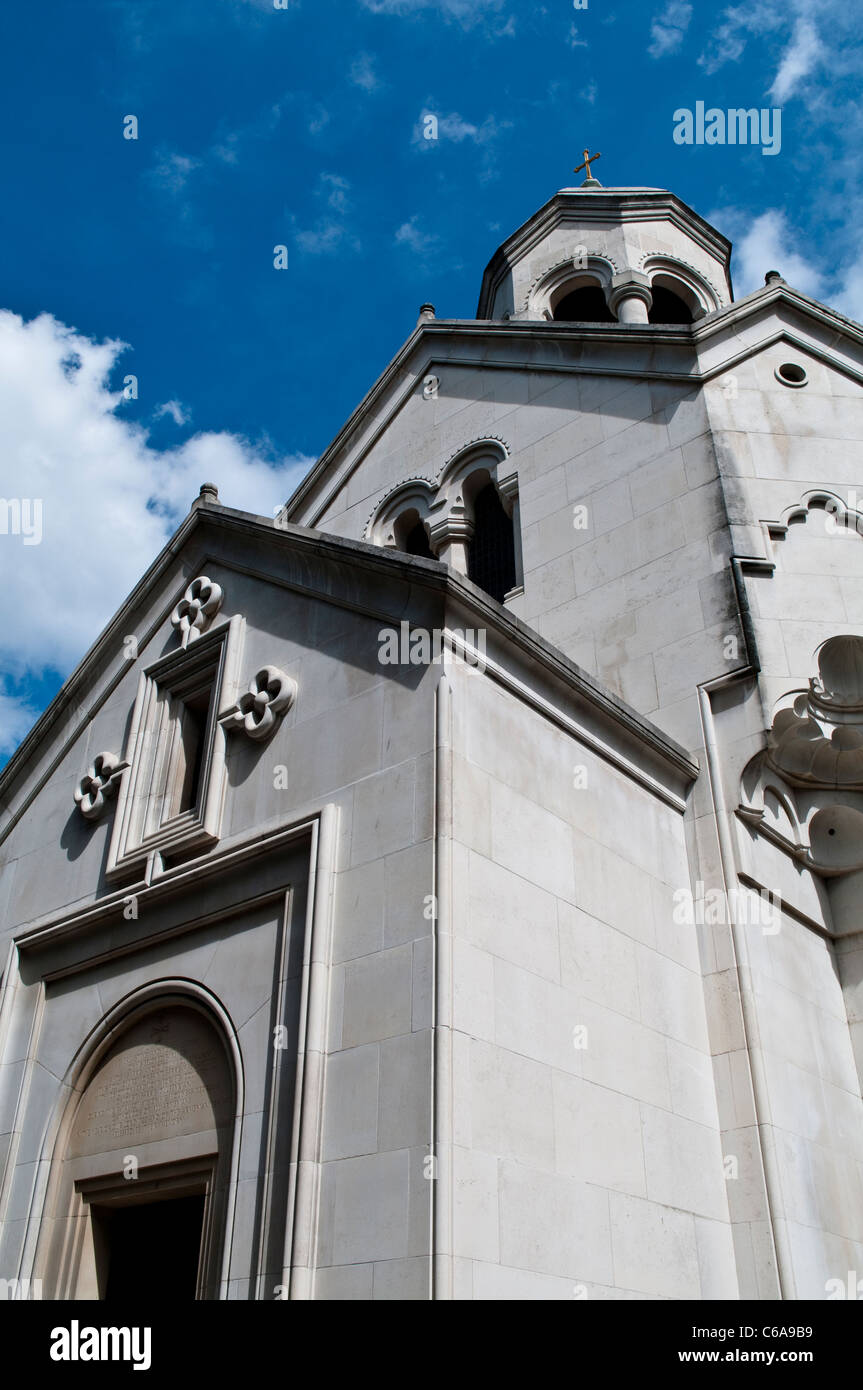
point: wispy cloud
(170, 179)
(668, 28)
(800, 57)
(728, 41)
(332, 231)
(467, 13)
(335, 190)
(228, 148)
(178, 412)
(363, 73)
(454, 127)
(318, 119)
(410, 234)
(433, 132)
(172, 171)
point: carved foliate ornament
(818, 742)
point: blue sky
(303, 126)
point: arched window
(416, 541)
(584, 305)
(410, 534)
(668, 307)
(491, 551)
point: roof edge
(413, 570)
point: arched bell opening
(491, 557)
(411, 534)
(585, 303)
(673, 301)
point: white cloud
(410, 234)
(109, 500)
(849, 298)
(729, 39)
(798, 60)
(668, 29)
(363, 73)
(325, 238)
(805, 48)
(574, 40)
(17, 717)
(175, 409)
(767, 243)
(726, 46)
(454, 127)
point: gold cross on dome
(586, 165)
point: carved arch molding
(165, 1073)
(804, 791)
(444, 505)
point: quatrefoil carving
(98, 785)
(261, 709)
(197, 608)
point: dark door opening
(150, 1250)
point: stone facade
(524, 967)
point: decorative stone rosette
(197, 608)
(98, 785)
(261, 709)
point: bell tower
(631, 255)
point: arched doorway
(142, 1170)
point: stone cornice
(242, 852)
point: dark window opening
(149, 1251)
(491, 551)
(417, 542)
(193, 728)
(668, 307)
(585, 305)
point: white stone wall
(358, 739)
(579, 1171)
(777, 445)
(641, 595)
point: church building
(452, 887)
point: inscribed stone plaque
(166, 1076)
